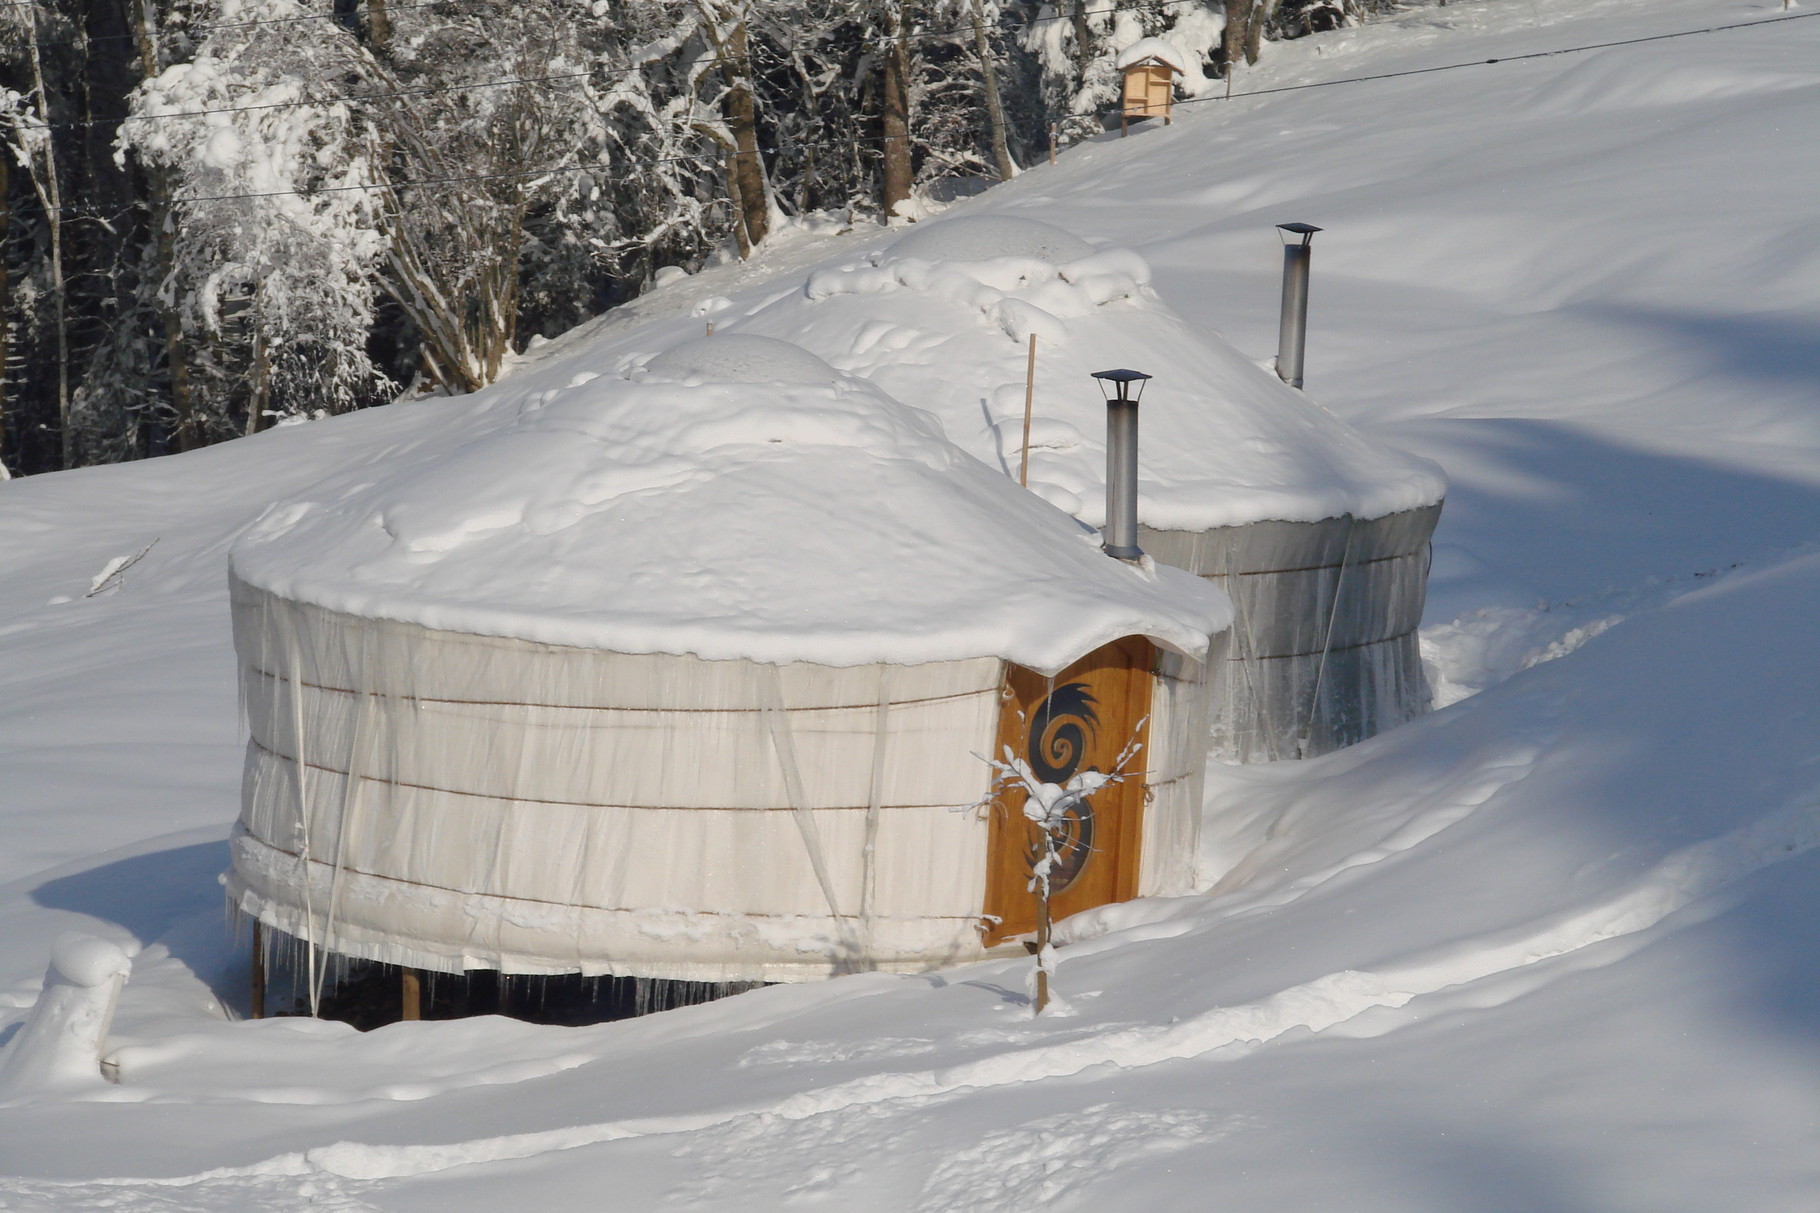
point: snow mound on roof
(739, 358)
(1153, 48)
(1224, 443)
(774, 522)
(984, 237)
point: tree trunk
(261, 394)
(379, 26)
(995, 105)
(1083, 40)
(895, 115)
(748, 169)
(164, 236)
(6, 290)
(50, 195)
(1244, 33)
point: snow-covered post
(1121, 461)
(58, 1048)
(1292, 331)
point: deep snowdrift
(1547, 949)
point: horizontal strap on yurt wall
(385, 657)
(1266, 710)
(427, 928)
(732, 860)
(1275, 547)
(1293, 613)
(657, 758)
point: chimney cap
(1120, 376)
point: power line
(553, 170)
(197, 29)
(425, 90)
(473, 86)
(1449, 67)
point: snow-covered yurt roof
(735, 498)
(941, 319)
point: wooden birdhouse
(1149, 91)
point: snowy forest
(224, 214)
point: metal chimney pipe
(1292, 332)
(1120, 534)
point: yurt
(1317, 532)
(691, 673)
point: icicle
(881, 733)
(785, 747)
(294, 689)
(356, 763)
(1320, 669)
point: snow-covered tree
(275, 218)
(1077, 44)
(27, 110)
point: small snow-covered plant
(1052, 808)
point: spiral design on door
(1060, 731)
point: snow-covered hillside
(1552, 949)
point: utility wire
(1450, 67)
(425, 90)
(554, 170)
(189, 30)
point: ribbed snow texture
(481, 802)
(1324, 650)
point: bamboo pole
(1023, 462)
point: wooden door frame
(1007, 865)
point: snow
(1159, 49)
(736, 500)
(1549, 948)
(58, 1048)
(739, 358)
(943, 319)
(989, 237)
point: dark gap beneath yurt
(368, 994)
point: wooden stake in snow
(258, 990)
(1023, 461)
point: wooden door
(1082, 719)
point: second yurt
(1318, 532)
(692, 675)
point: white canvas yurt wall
(679, 676)
(1319, 533)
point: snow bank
(985, 237)
(739, 358)
(809, 518)
(942, 319)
